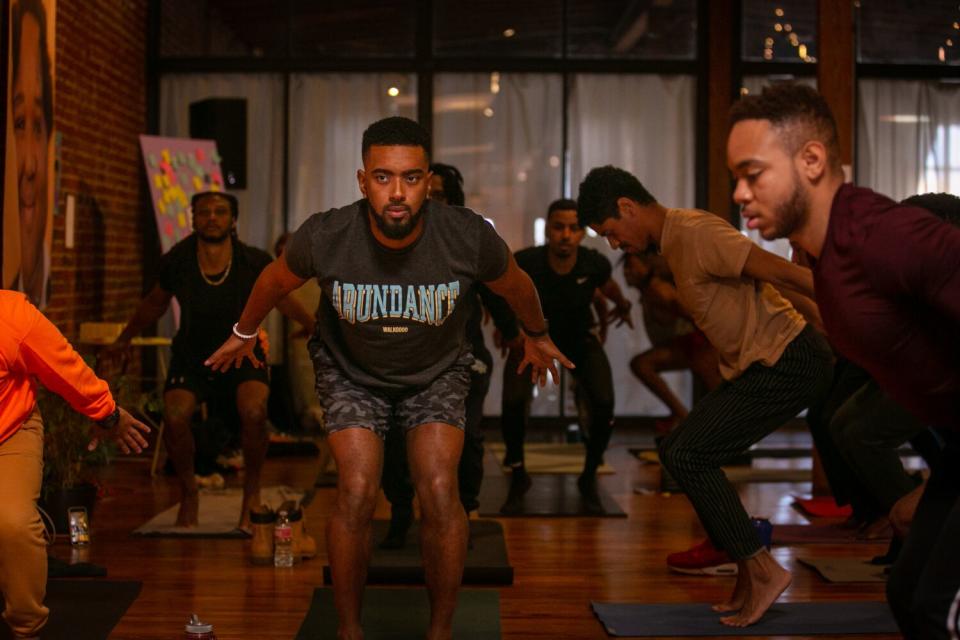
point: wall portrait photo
(29, 178)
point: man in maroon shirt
(887, 280)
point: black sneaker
(520, 483)
(589, 497)
(400, 521)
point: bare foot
(766, 580)
(738, 597)
(188, 515)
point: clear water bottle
(282, 541)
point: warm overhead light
(942, 55)
(905, 118)
(949, 42)
(509, 32)
(956, 25)
(788, 27)
(554, 161)
(522, 176)
(767, 54)
(779, 12)
(768, 42)
(393, 92)
(495, 82)
(744, 91)
(802, 51)
(778, 27)
(488, 112)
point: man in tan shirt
(773, 363)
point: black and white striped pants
(730, 419)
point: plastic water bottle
(282, 541)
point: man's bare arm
(153, 306)
(273, 285)
(768, 267)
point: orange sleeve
(49, 357)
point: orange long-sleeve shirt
(30, 346)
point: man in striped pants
(773, 363)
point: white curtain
(504, 132)
(908, 137)
(646, 125)
(261, 217)
(328, 114)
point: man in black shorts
(566, 276)
(390, 349)
(210, 273)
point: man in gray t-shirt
(390, 350)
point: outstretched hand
(126, 433)
(541, 355)
(232, 353)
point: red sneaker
(702, 560)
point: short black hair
(200, 195)
(395, 131)
(20, 10)
(563, 204)
(945, 206)
(600, 191)
(452, 182)
(789, 104)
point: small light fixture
(744, 91)
(778, 12)
(788, 27)
(802, 51)
(488, 112)
(778, 27)
(949, 42)
(495, 82)
(393, 92)
(942, 55)
(554, 161)
(509, 32)
(768, 54)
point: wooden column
(836, 71)
(717, 71)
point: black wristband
(111, 420)
(537, 334)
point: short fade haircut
(798, 113)
(20, 10)
(945, 206)
(563, 204)
(200, 195)
(600, 190)
(395, 131)
(452, 182)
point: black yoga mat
(400, 614)
(486, 561)
(783, 619)
(552, 496)
(84, 609)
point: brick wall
(100, 110)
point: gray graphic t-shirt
(396, 319)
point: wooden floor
(560, 564)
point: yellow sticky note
(197, 183)
(181, 219)
(161, 206)
(165, 155)
(158, 180)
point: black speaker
(224, 120)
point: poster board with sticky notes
(176, 169)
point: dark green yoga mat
(486, 561)
(84, 609)
(783, 619)
(400, 614)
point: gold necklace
(219, 281)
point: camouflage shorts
(348, 404)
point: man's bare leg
(252, 407)
(358, 453)
(179, 406)
(434, 451)
(764, 581)
(647, 367)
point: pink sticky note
(217, 178)
(199, 154)
(167, 227)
